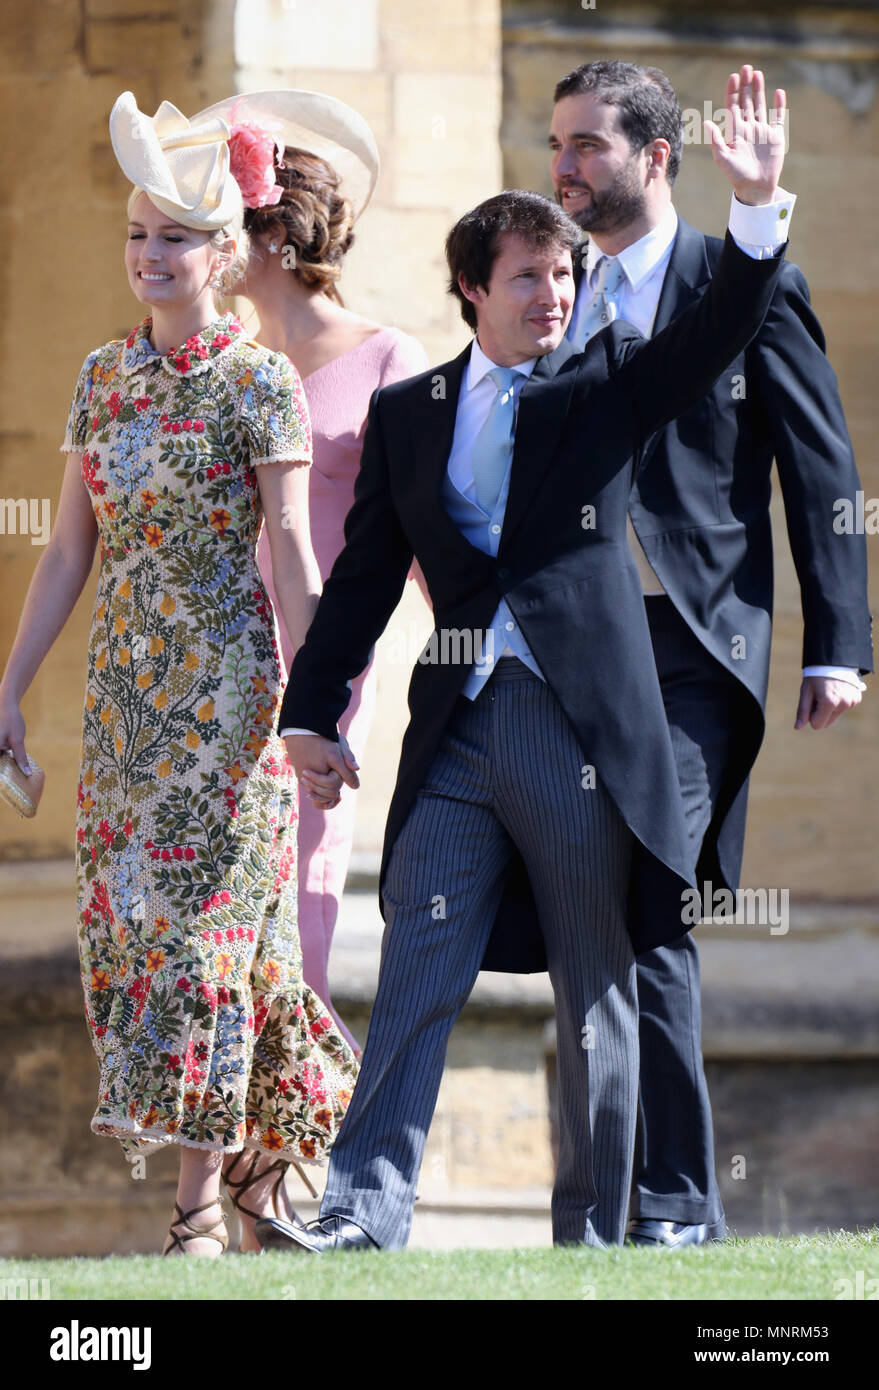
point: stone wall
(791, 1034)
(64, 291)
(427, 79)
(813, 810)
(430, 81)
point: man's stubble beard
(613, 208)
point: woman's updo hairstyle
(315, 219)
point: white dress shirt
(644, 265)
(475, 399)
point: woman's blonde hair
(225, 280)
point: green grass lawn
(799, 1267)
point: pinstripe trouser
(674, 1148)
(508, 773)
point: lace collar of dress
(196, 355)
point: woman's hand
(59, 579)
(322, 766)
(12, 730)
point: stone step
(812, 992)
(791, 1046)
(134, 1222)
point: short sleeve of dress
(406, 358)
(276, 413)
(75, 436)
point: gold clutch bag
(20, 792)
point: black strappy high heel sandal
(182, 1218)
(237, 1186)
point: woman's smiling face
(168, 265)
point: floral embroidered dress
(187, 809)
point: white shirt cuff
(835, 673)
(760, 231)
(287, 733)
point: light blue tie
(493, 445)
(607, 278)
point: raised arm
(754, 157)
(668, 374)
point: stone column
(427, 79)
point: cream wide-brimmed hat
(182, 165)
(310, 121)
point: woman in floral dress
(306, 164)
(180, 440)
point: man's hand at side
(823, 699)
(322, 766)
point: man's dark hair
(644, 97)
(473, 244)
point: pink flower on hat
(252, 161)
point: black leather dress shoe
(647, 1230)
(332, 1233)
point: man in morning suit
(538, 773)
(700, 534)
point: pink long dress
(338, 396)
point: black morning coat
(566, 573)
(700, 506)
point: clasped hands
(321, 767)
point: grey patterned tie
(494, 442)
(607, 277)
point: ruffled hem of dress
(66, 448)
(153, 1138)
(278, 458)
(282, 1153)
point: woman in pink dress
(303, 190)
